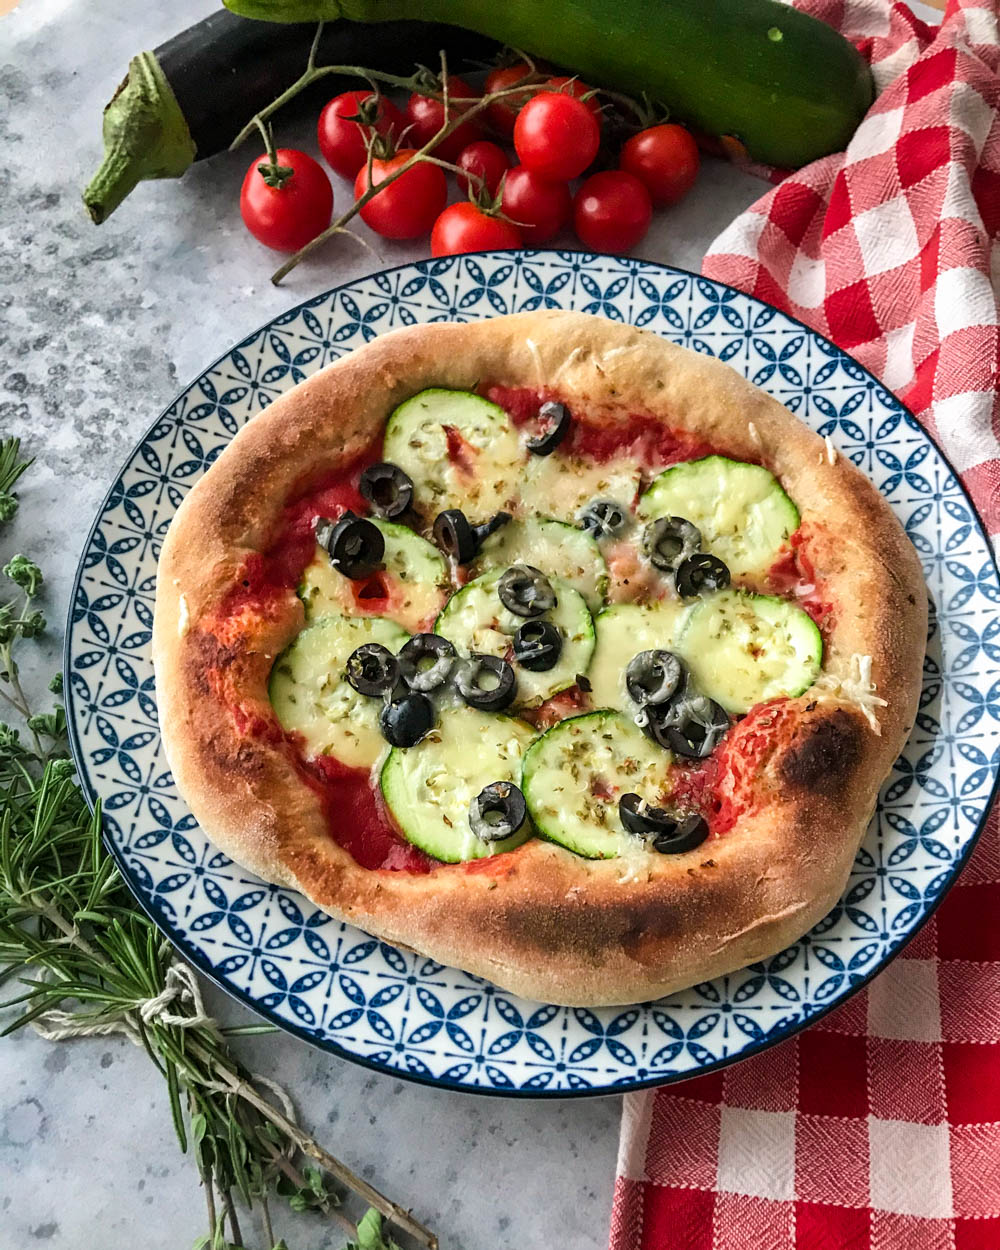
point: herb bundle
(78, 959)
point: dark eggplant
(191, 96)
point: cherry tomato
(287, 217)
(665, 159)
(503, 114)
(466, 228)
(408, 207)
(341, 141)
(425, 117)
(539, 207)
(485, 159)
(578, 89)
(556, 136)
(612, 211)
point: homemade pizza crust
(546, 924)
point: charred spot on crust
(822, 753)
(207, 655)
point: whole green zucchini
(788, 86)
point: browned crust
(550, 926)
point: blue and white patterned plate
(405, 1014)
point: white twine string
(180, 986)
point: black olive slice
(526, 591)
(406, 720)
(690, 832)
(497, 811)
(453, 534)
(387, 488)
(641, 818)
(372, 669)
(670, 835)
(486, 682)
(554, 419)
(356, 547)
(700, 574)
(537, 646)
(692, 725)
(481, 532)
(426, 661)
(603, 518)
(653, 676)
(669, 540)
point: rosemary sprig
(80, 960)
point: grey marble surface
(98, 329)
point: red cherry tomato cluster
(556, 132)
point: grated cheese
(533, 348)
(831, 451)
(753, 432)
(183, 617)
(857, 688)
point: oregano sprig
(79, 959)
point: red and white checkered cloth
(890, 248)
(879, 1127)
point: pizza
(544, 648)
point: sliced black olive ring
(356, 547)
(481, 532)
(387, 488)
(701, 574)
(486, 682)
(670, 835)
(372, 669)
(459, 538)
(526, 591)
(453, 534)
(404, 721)
(653, 676)
(555, 422)
(692, 725)
(497, 811)
(669, 540)
(603, 518)
(537, 646)
(426, 662)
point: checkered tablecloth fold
(890, 248)
(879, 1127)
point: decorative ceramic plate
(402, 1013)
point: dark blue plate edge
(205, 968)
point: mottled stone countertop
(98, 330)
